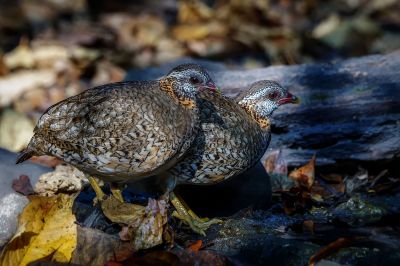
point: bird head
(263, 98)
(184, 81)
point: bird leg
(100, 195)
(99, 192)
(199, 225)
(116, 191)
(182, 211)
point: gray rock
(12, 203)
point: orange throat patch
(264, 123)
(188, 103)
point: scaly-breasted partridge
(234, 135)
(124, 131)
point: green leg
(184, 213)
(99, 192)
(117, 193)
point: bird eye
(273, 95)
(194, 80)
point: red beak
(290, 98)
(211, 86)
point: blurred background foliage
(53, 49)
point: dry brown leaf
(121, 212)
(275, 163)
(14, 84)
(16, 129)
(195, 247)
(147, 231)
(193, 12)
(3, 67)
(46, 229)
(102, 248)
(23, 185)
(190, 32)
(144, 226)
(305, 175)
(106, 72)
(46, 160)
(20, 57)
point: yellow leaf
(121, 212)
(193, 12)
(190, 32)
(46, 229)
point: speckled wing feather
(228, 142)
(120, 131)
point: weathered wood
(350, 109)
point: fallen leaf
(20, 57)
(16, 129)
(46, 230)
(14, 84)
(190, 32)
(144, 226)
(46, 160)
(275, 163)
(23, 185)
(305, 175)
(106, 72)
(195, 247)
(3, 67)
(122, 212)
(95, 247)
(317, 197)
(190, 12)
(148, 232)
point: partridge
(233, 136)
(124, 131)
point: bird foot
(99, 192)
(117, 193)
(100, 195)
(198, 225)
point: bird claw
(198, 225)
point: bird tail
(25, 155)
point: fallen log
(350, 109)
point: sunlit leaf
(305, 175)
(46, 229)
(196, 245)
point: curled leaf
(23, 185)
(275, 163)
(305, 175)
(144, 226)
(195, 246)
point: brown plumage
(124, 131)
(234, 133)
